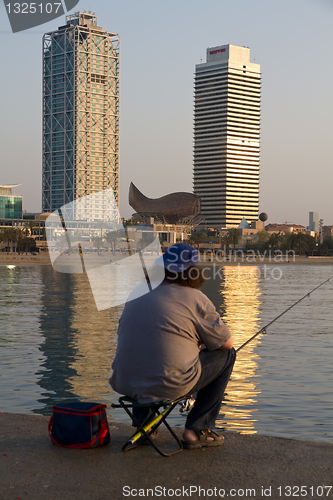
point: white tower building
(227, 136)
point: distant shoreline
(269, 261)
(43, 259)
(23, 260)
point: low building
(327, 231)
(285, 228)
(251, 229)
(169, 234)
(10, 203)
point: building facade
(314, 222)
(327, 231)
(227, 136)
(81, 63)
(285, 228)
(10, 203)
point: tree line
(300, 243)
(263, 241)
(18, 239)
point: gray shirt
(159, 336)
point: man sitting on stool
(159, 354)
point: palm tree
(30, 226)
(99, 243)
(26, 240)
(310, 244)
(275, 240)
(290, 241)
(261, 240)
(301, 243)
(195, 238)
(8, 234)
(233, 236)
(112, 238)
(19, 239)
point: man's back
(158, 345)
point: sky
(161, 42)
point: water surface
(56, 346)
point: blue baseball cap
(179, 257)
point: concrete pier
(246, 466)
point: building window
(97, 78)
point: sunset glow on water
(56, 346)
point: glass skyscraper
(81, 64)
(227, 136)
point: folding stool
(145, 430)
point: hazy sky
(161, 42)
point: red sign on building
(216, 51)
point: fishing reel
(186, 405)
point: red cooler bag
(79, 425)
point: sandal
(203, 441)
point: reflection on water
(241, 300)
(78, 340)
(55, 345)
(20, 336)
(237, 298)
(93, 343)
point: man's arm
(210, 326)
(228, 344)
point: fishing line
(188, 403)
(263, 330)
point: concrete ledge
(31, 467)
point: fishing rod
(188, 403)
(263, 330)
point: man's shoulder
(185, 293)
(169, 291)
